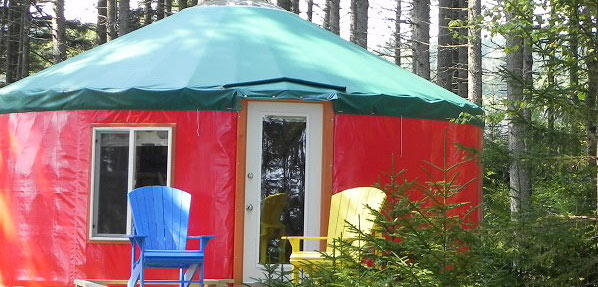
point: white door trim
(313, 182)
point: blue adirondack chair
(161, 217)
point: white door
(283, 181)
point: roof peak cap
(251, 3)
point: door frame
(326, 189)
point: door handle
(249, 207)
(250, 175)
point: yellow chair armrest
(296, 241)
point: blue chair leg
(141, 275)
(201, 274)
(181, 278)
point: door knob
(249, 207)
(250, 175)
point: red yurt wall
(45, 181)
(45, 175)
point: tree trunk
(474, 53)
(111, 10)
(12, 41)
(462, 63)
(182, 4)
(421, 38)
(445, 68)
(123, 17)
(359, 22)
(3, 34)
(519, 178)
(193, 3)
(285, 4)
(59, 32)
(335, 16)
(591, 60)
(167, 8)
(160, 10)
(101, 24)
(310, 10)
(25, 45)
(148, 12)
(295, 7)
(398, 12)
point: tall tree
(462, 56)
(160, 10)
(397, 36)
(474, 53)
(112, 12)
(59, 32)
(519, 177)
(421, 38)
(332, 16)
(148, 12)
(285, 4)
(167, 8)
(445, 67)
(182, 4)
(25, 41)
(101, 24)
(295, 7)
(123, 17)
(359, 22)
(310, 10)
(12, 40)
(193, 3)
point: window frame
(94, 194)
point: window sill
(109, 240)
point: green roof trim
(210, 57)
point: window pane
(113, 157)
(151, 158)
(283, 185)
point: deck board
(106, 282)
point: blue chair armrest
(204, 239)
(137, 240)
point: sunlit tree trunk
(359, 22)
(445, 65)
(101, 24)
(123, 17)
(111, 10)
(474, 53)
(421, 38)
(397, 36)
(59, 32)
(519, 177)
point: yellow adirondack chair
(348, 206)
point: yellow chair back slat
(350, 206)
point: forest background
(531, 64)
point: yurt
(231, 101)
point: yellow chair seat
(348, 206)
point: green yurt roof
(210, 57)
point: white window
(124, 158)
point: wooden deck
(106, 282)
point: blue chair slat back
(162, 214)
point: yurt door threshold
(283, 181)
